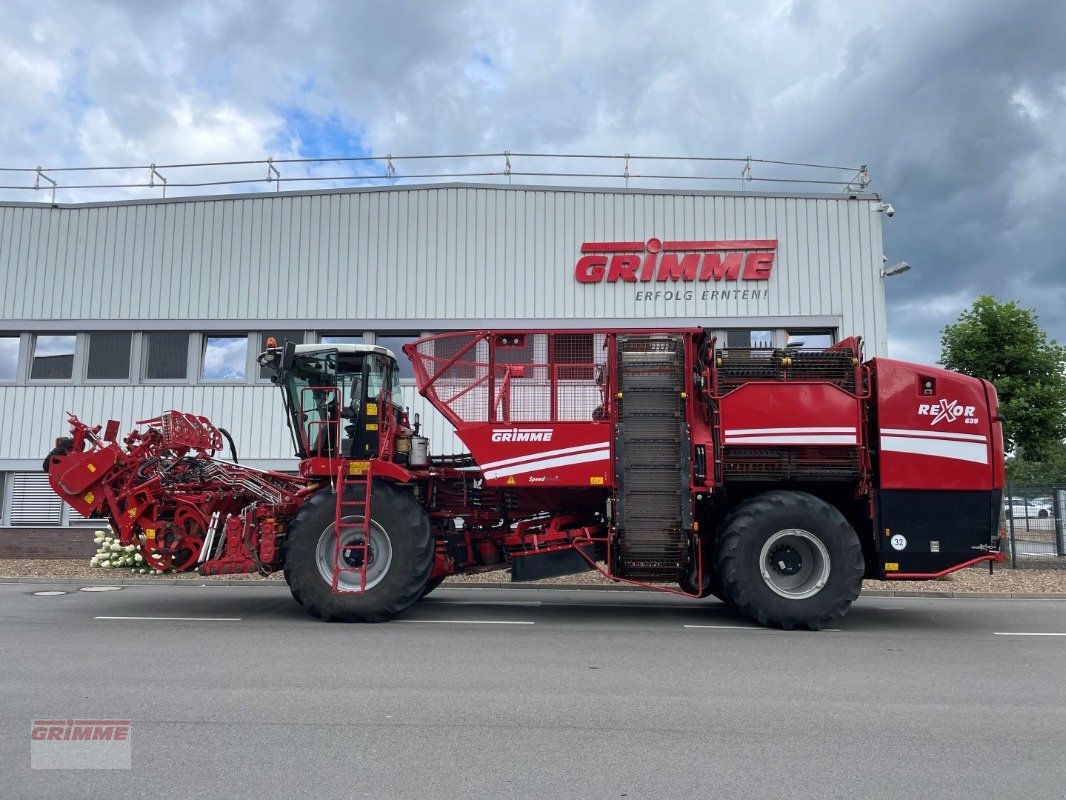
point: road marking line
(483, 602)
(473, 621)
(179, 619)
(1011, 633)
(750, 628)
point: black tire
(394, 514)
(433, 584)
(1043, 513)
(63, 446)
(785, 525)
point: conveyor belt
(653, 453)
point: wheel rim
(379, 555)
(794, 564)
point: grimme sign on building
(718, 263)
(205, 281)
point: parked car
(1020, 508)
(1044, 504)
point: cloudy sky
(957, 106)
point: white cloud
(958, 107)
(936, 307)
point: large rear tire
(400, 561)
(433, 584)
(789, 560)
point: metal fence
(1033, 526)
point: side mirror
(288, 355)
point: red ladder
(354, 474)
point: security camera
(887, 208)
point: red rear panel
(936, 428)
(542, 454)
(774, 414)
(938, 469)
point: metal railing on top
(271, 174)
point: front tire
(788, 559)
(401, 557)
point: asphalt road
(501, 693)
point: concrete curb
(526, 586)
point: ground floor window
(31, 503)
(814, 339)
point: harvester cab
(336, 396)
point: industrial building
(126, 309)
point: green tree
(1049, 471)
(1003, 343)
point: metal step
(649, 428)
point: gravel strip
(72, 569)
(974, 579)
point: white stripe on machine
(806, 435)
(976, 452)
(922, 434)
(548, 463)
(545, 454)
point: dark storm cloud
(958, 107)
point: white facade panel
(410, 255)
(403, 259)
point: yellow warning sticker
(149, 533)
(90, 498)
(511, 481)
(371, 426)
(132, 512)
(596, 480)
(891, 566)
(358, 467)
(371, 408)
(91, 467)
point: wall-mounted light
(895, 269)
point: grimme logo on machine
(524, 435)
(689, 261)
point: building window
(811, 340)
(53, 358)
(33, 503)
(574, 348)
(296, 337)
(109, 356)
(166, 356)
(9, 357)
(341, 338)
(749, 339)
(225, 358)
(395, 343)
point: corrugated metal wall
(421, 258)
(419, 254)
